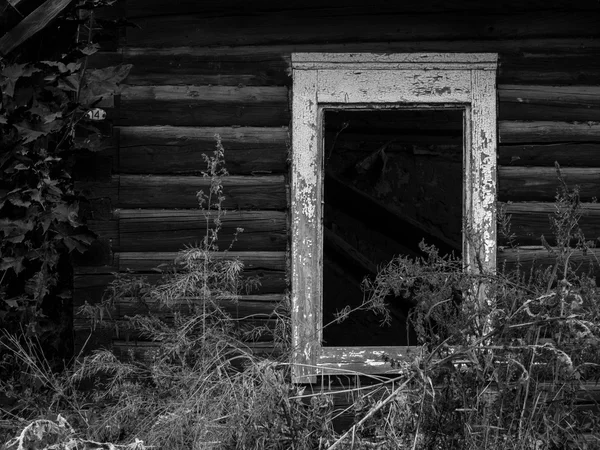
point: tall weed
(500, 374)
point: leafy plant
(43, 125)
(202, 388)
(515, 386)
(511, 385)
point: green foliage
(502, 365)
(504, 373)
(201, 387)
(43, 125)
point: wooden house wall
(207, 67)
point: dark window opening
(392, 178)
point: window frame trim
(366, 80)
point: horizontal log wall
(223, 68)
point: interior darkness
(392, 178)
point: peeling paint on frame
(374, 81)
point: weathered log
(268, 267)
(166, 149)
(98, 255)
(250, 311)
(264, 192)
(549, 68)
(200, 66)
(541, 183)
(90, 283)
(547, 131)
(95, 166)
(529, 221)
(538, 256)
(159, 191)
(147, 261)
(106, 229)
(92, 290)
(262, 329)
(302, 26)
(536, 102)
(189, 66)
(537, 48)
(145, 351)
(138, 142)
(170, 230)
(244, 306)
(204, 106)
(566, 154)
(533, 61)
(97, 190)
(140, 8)
(104, 58)
(105, 269)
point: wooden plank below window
(365, 360)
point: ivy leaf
(18, 201)
(37, 285)
(51, 117)
(94, 142)
(73, 67)
(35, 195)
(51, 126)
(62, 68)
(30, 132)
(99, 83)
(9, 262)
(52, 187)
(86, 239)
(59, 95)
(15, 239)
(11, 75)
(15, 227)
(46, 223)
(69, 83)
(3, 120)
(28, 135)
(65, 294)
(66, 213)
(11, 303)
(90, 49)
(73, 244)
(111, 75)
(23, 95)
(39, 109)
(51, 63)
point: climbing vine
(46, 105)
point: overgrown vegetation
(502, 373)
(514, 387)
(46, 94)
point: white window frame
(365, 80)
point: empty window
(388, 150)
